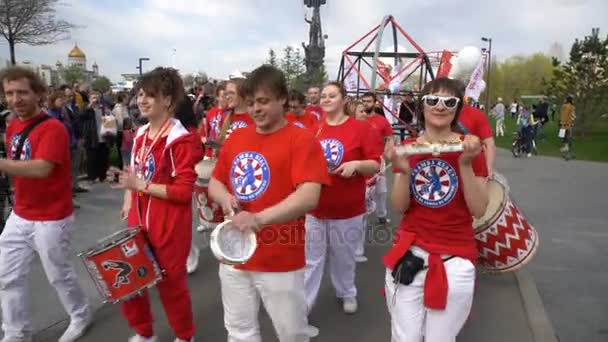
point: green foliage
(293, 66)
(585, 77)
(520, 75)
(272, 58)
(73, 74)
(101, 84)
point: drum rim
(217, 251)
(501, 208)
(102, 244)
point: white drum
(231, 245)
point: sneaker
(139, 338)
(192, 262)
(180, 340)
(349, 305)
(312, 331)
(360, 258)
(75, 330)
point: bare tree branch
(32, 22)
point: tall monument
(315, 50)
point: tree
(102, 84)
(585, 77)
(272, 58)
(520, 75)
(73, 74)
(31, 22)
(292, 65)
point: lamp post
(489, 41)
(141, 59)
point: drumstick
(380, 172)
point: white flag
(476, 85)
(350, 83)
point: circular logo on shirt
(238, 124)
(434, 183)
(26, 151)
(146, 171)
(299, 124)
(333, 151)
(250, 176)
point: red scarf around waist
(436, 281)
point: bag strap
(25, 133)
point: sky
(219, 36)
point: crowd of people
(315, 157)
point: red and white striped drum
(505, 240)
(209, 212)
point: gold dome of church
(76, 53)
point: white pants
(343, 238)
(360, 250)
(282, 294)
(411, 320)
(379, 196)
(500, 127)
(19, 243)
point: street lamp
(139, 67)
(489, 41)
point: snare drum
(209, 212)
(122, 265)
(505, 240)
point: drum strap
(25, 133)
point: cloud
(218, 36)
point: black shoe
(382, 220)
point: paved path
(567, 269)
(567, 202)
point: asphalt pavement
(562, 199)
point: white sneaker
(349, 305)
(180, 340)
(138, 338)
(312, 331)
(360, 258)
(192, 262)
(75, 330)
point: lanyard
(143, 154)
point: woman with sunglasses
(430, 269)
(237, 116)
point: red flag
(445, 66)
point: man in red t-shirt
(298, 114)
(313, 107)
(473, 121)
(272, 174)
(41, 221)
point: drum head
(231, 245)
(204, 168)
(497, 201)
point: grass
(593, 147)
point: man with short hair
(290, 169)
(314, 98)
(42, 220)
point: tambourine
(429, 148)
(231, 245)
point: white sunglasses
(449, 102)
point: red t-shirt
(214, 120)
(307, 120)
(50, 198)
(473, 121)
(380, 124)
(261, 170)
(238, 120)
(345, 197)
(317, 111)
(438, 212)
